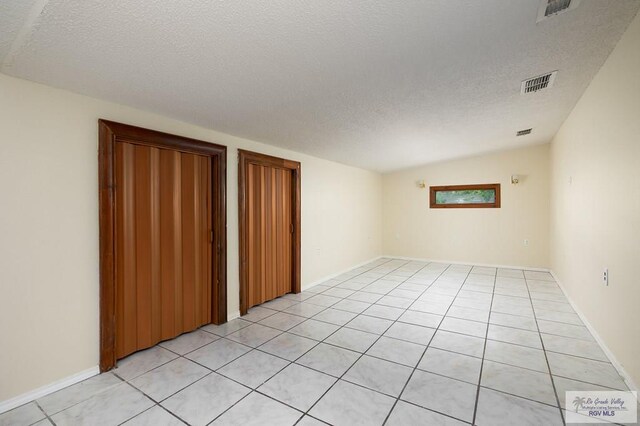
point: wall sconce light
(421, 184)
(515, 179)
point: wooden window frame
(110, 133)
(494, 205)
(244, 159)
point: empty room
(356, 212)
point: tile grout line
(393, 362)
(134, 387)
(211, 371)
(290, 362)
(251, 348)
(159, 403)
(257, 348)
(46, 416)
(428, 344)
(372, 344)
(144, 411)
(409, 309)
(546, 358)
(306, 413)
(50, 416)
(360, 354)
(397, 284)
(178, 355)
(435, 330)
(166, 410)
(484, 351)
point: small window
(465, 196)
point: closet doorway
(269, 222)
(162, 238)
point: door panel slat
(168, 249)
(154, 224)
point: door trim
(111, 132)
(244, 159)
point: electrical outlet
(605, 276)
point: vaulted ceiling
(381, 85)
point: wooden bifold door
(269, 228)
(162, 245)
(165, 255)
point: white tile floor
(393, 342)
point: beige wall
(49, 225)
(595, 222)
(489, 236)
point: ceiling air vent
(538, 83)
(523, 132)
(549, 8)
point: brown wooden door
(162, 244)
(269, 232)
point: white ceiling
(381, 84)
(13, 19)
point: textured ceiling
(14, 16)
(377, 84)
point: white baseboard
(614, 361)
(328, 277)
(618, 366)
(236, 314)
(457, 262)
(83, 375)
(19, 400)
